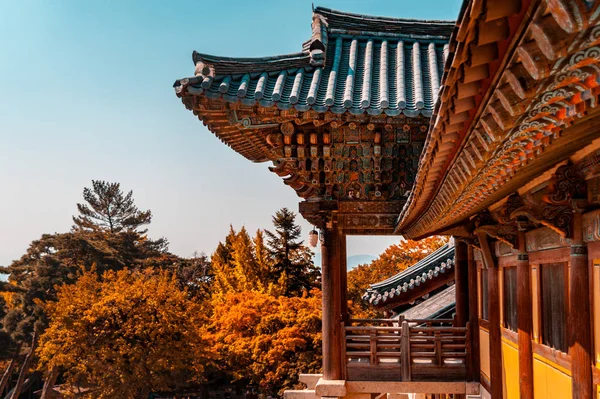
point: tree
(57, 259)
(393, 260)
(241, 264)
(126, 334)
(267, 340)
(292, 260)
(194, 274)
(109, 209)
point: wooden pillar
(461, 281)
(473, 315)
(580, 340)
(343, 275)
(331, 287)
(494, 316)
(524, 320)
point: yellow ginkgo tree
(125, 334)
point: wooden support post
(330, 280)
(580, 347)
(343, 275)
(405, 351)
(473, 316)
(524, 320)
(461, 280)
(494, 316)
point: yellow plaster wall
(484, 351)
(510, 370)
(549, 382)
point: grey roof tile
(353, 63)
(429, 268)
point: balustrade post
(438, 348)
(405, 352)
(373, 347)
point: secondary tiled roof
(435, 266)
(433, 307)
(353, 63)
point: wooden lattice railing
(405, 350)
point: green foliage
(123, 316)
(57, 259)
(292, 260)
(109, 209)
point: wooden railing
(405, 350)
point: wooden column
(461, 280)
(580, 340)
(331, 287)
(343, 276)
(494, 316)
(473, 315)
(524, 320)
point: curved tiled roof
(353, 63)
(428, 268)
(434, 306)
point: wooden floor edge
(430, 387)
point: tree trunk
(49, 384)
(17, 391)
(8, 371)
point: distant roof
(429, 272)
(433, 306)
(352, 63)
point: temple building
(486, 129)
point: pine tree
(290, 256)
(109, 209)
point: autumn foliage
(122, 317)
(392, 261)
(268, 340)
(126, 334)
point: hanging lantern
(313, 238)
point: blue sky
(86, 93)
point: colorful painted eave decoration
(437, 266)
(352, 64)
(522, 74)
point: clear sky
(86, 93)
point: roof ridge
(324, 11)
(196, 57)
